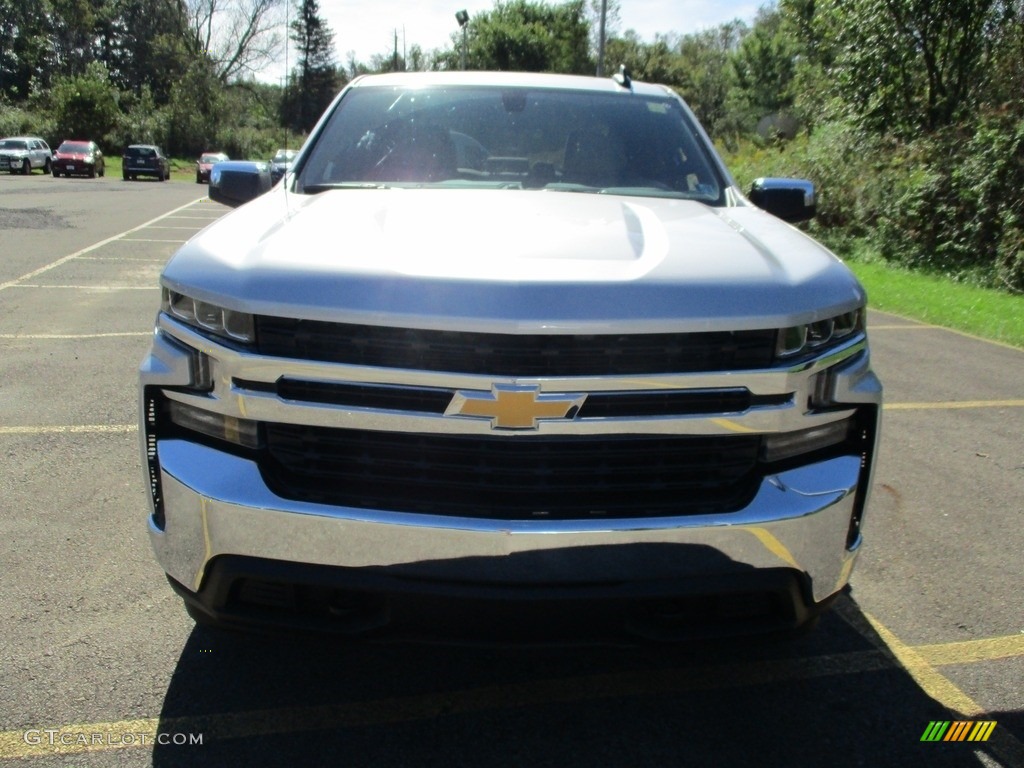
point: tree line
(908, 114)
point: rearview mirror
(236, 182)
(791, 200)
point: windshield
(568, 140)
(13, 144)
(283, 157)
(211, 158)
(68, 146)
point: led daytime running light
(238, 326)
(798, 339)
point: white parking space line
(121, 259)
(91, 287)
(91, 248)
(69, 336)
(149, 240)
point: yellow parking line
(925, 675)
(1004, 745)
(430, 706)
(968, 651)
(912, 323)
(916, 327)
(75, 429)
(953, 405)
(103, 736)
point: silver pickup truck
(503, 347)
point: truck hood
(512, 260)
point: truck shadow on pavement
(835, 696)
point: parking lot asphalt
(99, 663)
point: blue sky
(367, 27)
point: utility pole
(600, 39)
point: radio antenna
(284, 97)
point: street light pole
(600, 39)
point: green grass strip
(982, 312)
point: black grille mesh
(512, 478)
(514, 355)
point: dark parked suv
(145, 160)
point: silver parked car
(280, 163)
(514, 344)
(23, 154)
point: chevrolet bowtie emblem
(514, 407)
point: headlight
(227, 323)
(811, 337)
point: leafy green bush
(141, 122)
(947, 202)
(15, 121)
(962, 213)
(84, 106)
(845, 164)
(252, 143)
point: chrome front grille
(434, 400)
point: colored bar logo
(959, 730)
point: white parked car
(23, 154)
(511, 342)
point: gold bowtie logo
(514, 407)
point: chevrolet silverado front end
(503, 341)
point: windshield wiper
(634, 191)
(312, 189)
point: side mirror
(236, 182)
(791, 200)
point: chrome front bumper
(217, 504)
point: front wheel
(46, 166)
(124, 175)
(26, 168)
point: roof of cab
(510, 79)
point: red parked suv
(81, 158)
